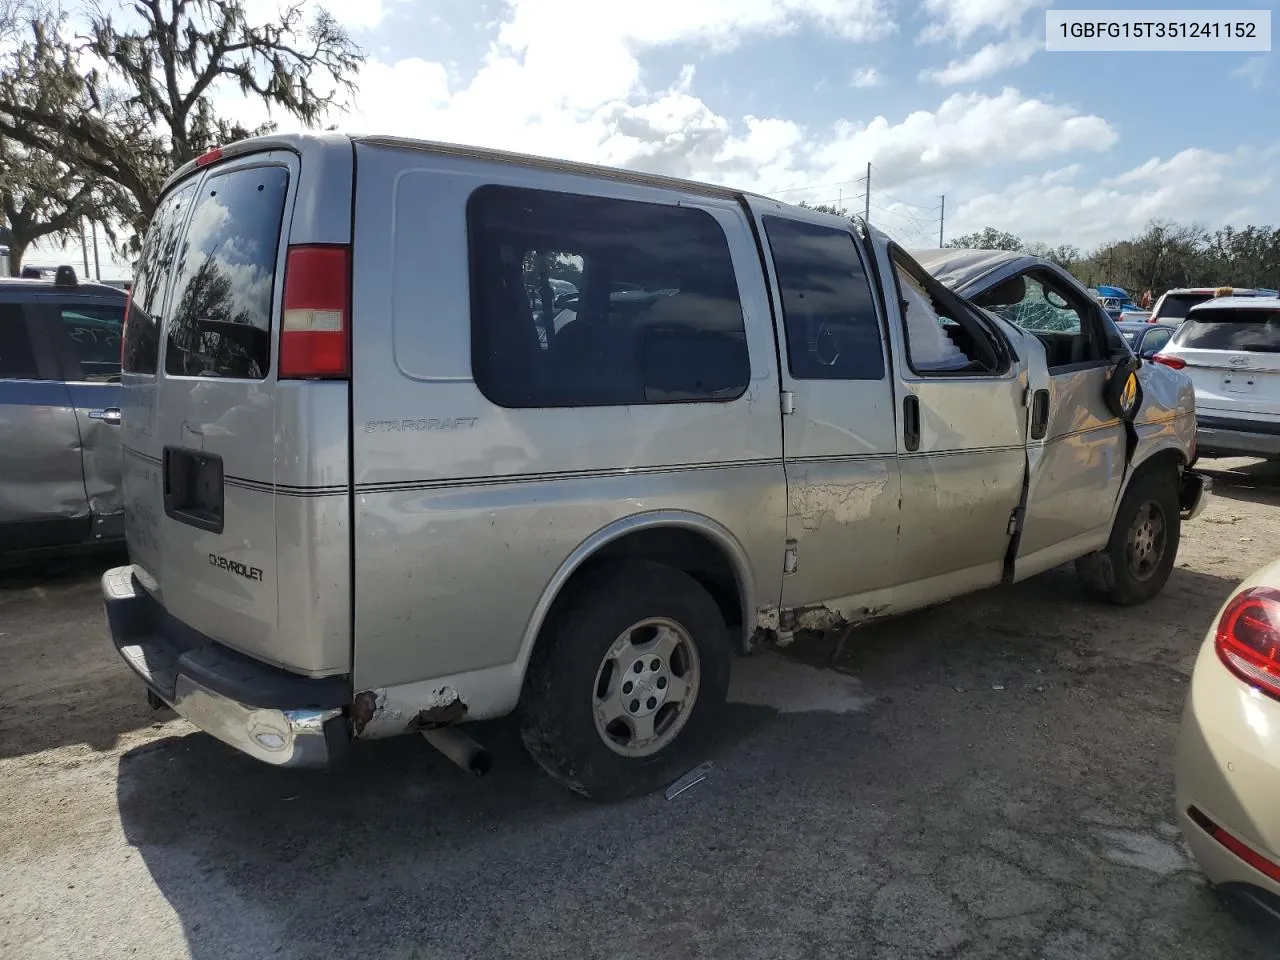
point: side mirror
(1124, 391)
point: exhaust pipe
(460, 748)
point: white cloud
(966, 131)
(1195, 185)
(557, 24)
(990, 60)
(867, 77)
(959, 20)
(1253, 70)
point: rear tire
(635, 625)
(1137, 561)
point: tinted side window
(833, 332)
(1154, 342)
(94, 332)
(17, 358)
(222, 298)
(159, 249)
(587, 301)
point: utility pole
(84, 248)
(840, 201)
(867, 214)
(97, 265)
(942, 218)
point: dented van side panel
(467, 512)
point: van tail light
(315, 335)
(1177, 363)
(1235, 845)
(1248, 638)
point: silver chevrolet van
(416, 434)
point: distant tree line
(1163, 256)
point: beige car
(1229, 750)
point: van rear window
(141, 336)
(1250, 331)
(591, 301)
(1177, 306)
(221, 301)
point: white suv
(1230, 347)
(1174, 305)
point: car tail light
(1248, 638)
(1177, 363)
(210, 156)
(1236, 846)
(315, 331)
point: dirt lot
(988, 779)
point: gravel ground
(991, 778)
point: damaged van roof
(957, 268)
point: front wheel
(1137, 561)
(628, 675)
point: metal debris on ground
(692, 778)
(997, 686)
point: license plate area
(1238, 383)
(193, 488)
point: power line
(818, 186)
(918, 206)
(901, 216)
(899, 200)
(903, 211)
(917, 223)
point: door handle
(911, 422)
(1039, 414)
(110, 415)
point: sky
(793, 98)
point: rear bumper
(1233, 437)
(268, 713)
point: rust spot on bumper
(363, 709)
(439, 715)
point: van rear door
(236, 484)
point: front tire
(1137, 561)
(629, 674)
